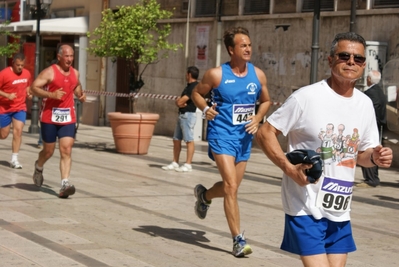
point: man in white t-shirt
(317, 216)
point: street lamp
(39, 6)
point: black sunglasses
(346, 56)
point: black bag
(309, 157)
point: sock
(63, 181)
(237, 237)
(14, 157)
(188, 165)
(204, 200)
(38, 168)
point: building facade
(281, 33)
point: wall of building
(284, 54)
(281, 47)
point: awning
(74, 26)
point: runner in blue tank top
(235, 88)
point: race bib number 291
(335, 195)
(61, 115)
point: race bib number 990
(335, 195)
(241, 113)
(61, 115)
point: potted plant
(134, 34)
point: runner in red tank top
(57, 85)
(14, 88)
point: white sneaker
(15, 164)
(172, 166)
(184, 168)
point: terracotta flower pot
(132, 132)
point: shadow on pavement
(95, 146)
(387, 198)
(5, 163)
(192, 237)
(390, 184)
(33, 188)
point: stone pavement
(127, 211)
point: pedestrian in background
(185, 124)
(379, 100)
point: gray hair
(346, 36)
(375, 76)
(61, 49)
(19, 56)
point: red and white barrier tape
(156, 96)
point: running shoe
(15, 164)
(170, 167)
(184, 168)
(38, 176)
(240, 246)
(201, 207)
(66, 190)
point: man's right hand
(58, 94)
(12, 96)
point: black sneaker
(201, 208)
(66, 190)
(38, 176)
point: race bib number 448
(335, 195)
(241, 113)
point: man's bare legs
(232, 175)
(45, 154)
(176, 150)
(17, 127)
(324, 260)
(4, 132)
(65, 146)
(190, 152)
(176, 155)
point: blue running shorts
(240, 149)
(6, 118)
(185, 127)
(50, 132)
(305, 236)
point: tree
(135, 34)
(13, 44)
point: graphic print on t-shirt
(338, 148)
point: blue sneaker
(240, 246)
(201, 207)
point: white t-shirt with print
(315, 117)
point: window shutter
(386, 3)
(205, 8)
(325, 5)
(256, 7)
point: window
(386, 3)
(205, 8)
(256, 7)
(9, 9)
(325, 5)
(184, 6)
